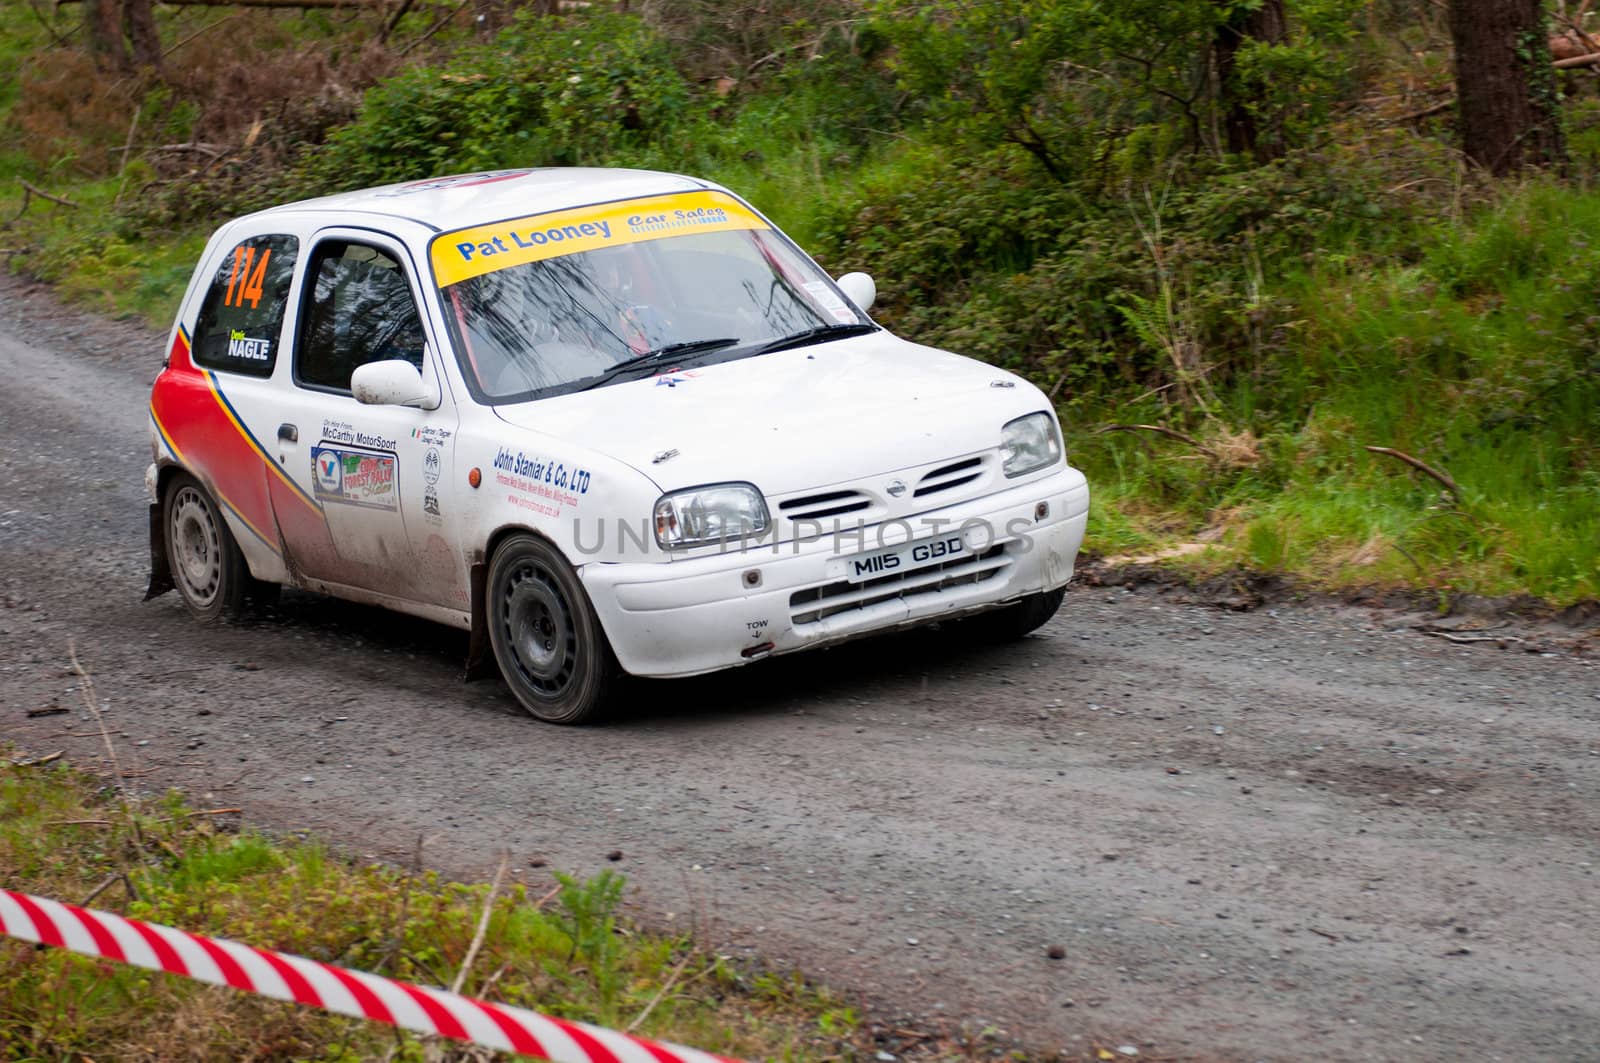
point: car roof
(461, 200)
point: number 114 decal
(248, 277)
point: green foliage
(1481, 358)
(1093, 91)
(1044, 184)
(576, 91)
(1046, 279)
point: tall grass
(1482, 360)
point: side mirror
(860, 288)
(394, 382)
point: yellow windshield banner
(469, 253)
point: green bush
(574, 91)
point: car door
(364, 507)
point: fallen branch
(1412, 116)
(203, 29)
(1422, 467)
(208, 150)
(1451, 637)
(107, 884)
(1575, 29)
(60, 41)
(1162, 430)
(37, 761)
(437, 26)
(29, 189)
(90, 699)
(394, 20)
(666, 987)
(483, 924)
(1576, 61)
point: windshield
(560, 302)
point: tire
(546, 637)
(207, 566)
(1018, 619)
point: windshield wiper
(653, 359)
(817, 335)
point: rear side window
(243, 310)
(357, 308)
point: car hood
(792, 420)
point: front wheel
(546, 637)
(1019, 618)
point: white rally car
(606, 420)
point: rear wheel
(207, 566)
(1019, 618)
(546, 637)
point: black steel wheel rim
(539, 628)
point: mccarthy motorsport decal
(468, 253)
(355, 477)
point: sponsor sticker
(675, 377)
(538, 470)
(468, 253)
(431, 464)
(343, 432)
(247, 348)
(539, 485)
(431, 435)
(355, 478)
(824, 294)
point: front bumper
(697, 615)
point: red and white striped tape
(322, 985)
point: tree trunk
(139, 22)
(1266, 23)
(1505, 86)
(102, 25)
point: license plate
(906, 558)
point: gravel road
(1309, 830)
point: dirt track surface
(1305, 831)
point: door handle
(288, 433)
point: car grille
(865, 502)
(825, 504)
(816, 604)
(949, 477)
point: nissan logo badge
(896, 488)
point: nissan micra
(607, 421)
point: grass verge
(562, 951)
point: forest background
(1239, 243)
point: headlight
(714, 513)
(1029, 443)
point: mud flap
(480, 654)
(160, 567)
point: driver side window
(358, 308)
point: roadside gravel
(1304, 830)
